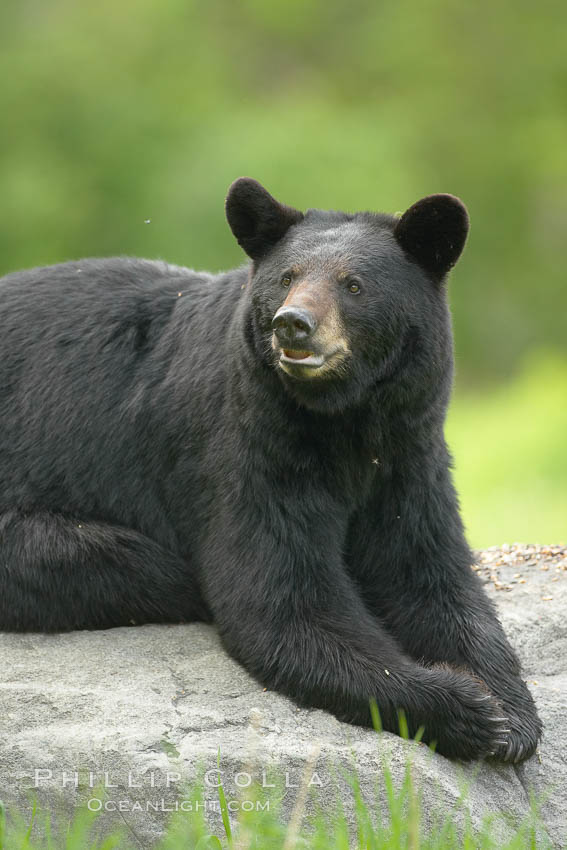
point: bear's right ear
(434, 231)
(257, 220)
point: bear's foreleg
(413, 568)
(286, 609)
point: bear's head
(343, 303)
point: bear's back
(97, 366)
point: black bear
(264, 449)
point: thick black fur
(157, 465)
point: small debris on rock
(494, 565)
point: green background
(119, 112)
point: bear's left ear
(257, 220)
(433, 231)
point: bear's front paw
(523, 721)
(470, 722)
(523, 738)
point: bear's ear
(433, 231)
(257, 220)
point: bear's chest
(342, 463)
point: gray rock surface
(146, 707)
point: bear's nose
(293, 324)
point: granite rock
(139, 712)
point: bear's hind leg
(59, 573)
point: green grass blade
(375, 714)
(224, 807)
(208, 842)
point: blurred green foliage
(510, 453)
(124, 122)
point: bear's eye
(286, 280)
(353, 287)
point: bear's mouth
(297, 355)
(305, 363)
(301, 357)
